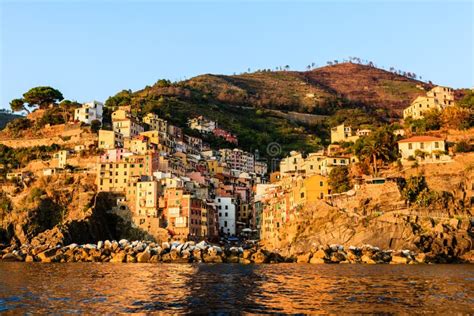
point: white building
(226, 212)
(89, 112)
(147, 198)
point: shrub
(463, 147)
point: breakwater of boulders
(125, 251)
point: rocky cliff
(376, 215)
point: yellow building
(437, 98)
(155, 123)
(122, 176)
(316, 187)
(342, 133)
(110, 139)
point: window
(225, 223)
(410, 146)
(226, 214)
(227, 207)
(302, 194)
(436, 145)
(422, 145)
(320, 183)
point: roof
(420, 139)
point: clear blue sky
(91, 50)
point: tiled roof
(420, 139)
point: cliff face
(378, 219)
(62, 210)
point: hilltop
(294, 108)
(319, 91)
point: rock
(115, 246)
(320, 254)
(47, 255)
(100, 244)
(154, 259)
(247, 254)
(131, 258)
(304, 258)
(123, 243)
(197, 256)
(454, 222)
(202, 245)
(186, 255)
(259, 257)
(316, 260)
(11, 257)
(244, 261)
(232, 259)
(367, 259)
(468, 257)
(166, 257)
(118, 257)
(29, 258)
(143, 257)
(399, 260)
(89, 246)
(211, 258)
(107, 245)
(337, 257)
(165, 245)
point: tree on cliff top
(42, 97)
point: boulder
(154, 259)
(131, 258)
(320, 254)
(303, 258)
(118, 257)
(259, 257)
(197, 255)
(337, 257)
(244, 261)
(211, 258)
(123, 243)
(367, 259)
(47, 255)
(29, 258)
(232, 259)
(107, 245)
(399, 260)
(11, 257)
(202, 245)
(247, 253)
(100, 244)
(143, 257)
(316, 260)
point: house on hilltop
(437, 98)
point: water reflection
(205, 288)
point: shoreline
(125, 251)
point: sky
(90, 50)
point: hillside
(264, 106)
(5, 118)
(319, 91)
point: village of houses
(164, 179)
